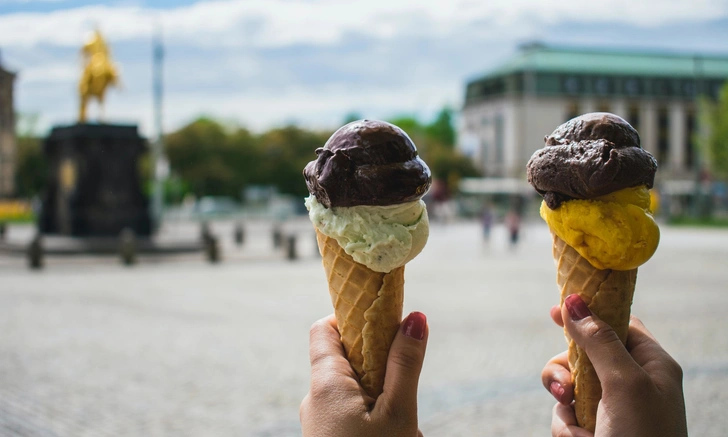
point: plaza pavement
(175, 346)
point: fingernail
(557, 391)
(576, 307)
(414, 325)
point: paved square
(179, 347)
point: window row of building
(552, 84)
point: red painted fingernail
(576, 307)
(557, 391)
(414, 325)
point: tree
(286, 151)
(713, 140)
(442, 129)
(436, 145)
(210, 158)
(352, 116)
(31, 170)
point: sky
(267, 63)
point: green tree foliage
(210, 158)
(216, 160)
(213, 159)
(436, 145)
(30, 173)
(442, 129)
(285, 152)
(352, 116)
(713, 142)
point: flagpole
(161, 167)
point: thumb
(610, 358)
(403, 367)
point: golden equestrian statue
(98, 74)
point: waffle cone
(608, 294)
(368, 308)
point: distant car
(216, 205)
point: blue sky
(265, 63)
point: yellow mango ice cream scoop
(595, 180)
(615, 231)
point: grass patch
(15, 211)
(16, 220)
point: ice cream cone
(368, 308)
(608, 294)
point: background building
(7, 133)
(508, 112)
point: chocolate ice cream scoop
(590, 156)
(367, 162)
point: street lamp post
(161, 167)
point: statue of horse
(98, 74)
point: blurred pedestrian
(486, 220)
(513, 225)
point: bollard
(127, 247)
(277, 236)
(239, 234)
(291, 248)
(205, 230)
(212, 252)
(35, 253)
(3, 228)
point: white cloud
(266, 23)
(266, 62)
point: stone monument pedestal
(94, 187)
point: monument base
(94, 187)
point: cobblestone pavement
(180, 347)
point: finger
(563, 423)
(403, 368)
(606, 352)
(555, 313)
(640, 341)
(328, 361)
(636, 324)
(324, 343)
(556, 377)
(648, 353)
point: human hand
(337, 405)
(642, 393)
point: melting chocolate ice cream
(590, 156)
(367, 162)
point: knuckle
(304, 407)
(674, 369)
(322, 388)
(602, 333)
(629, 382)
(406, 359)
(316, 328)
(390, 410)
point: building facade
(7, 134)
(508, 112)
